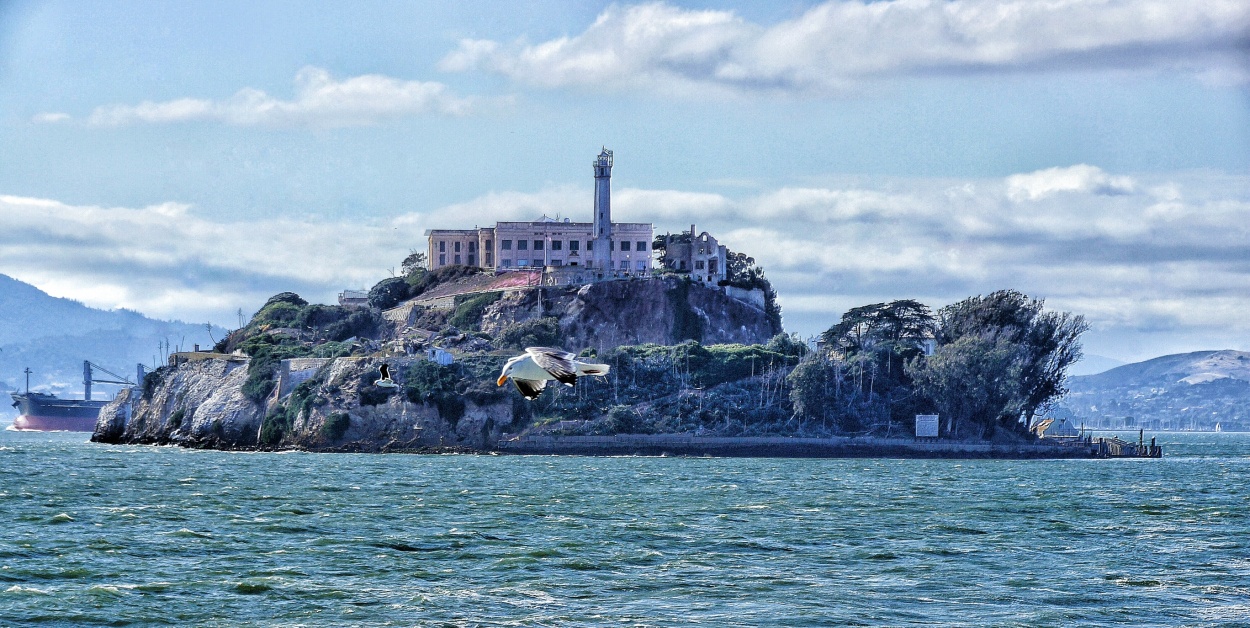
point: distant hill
(53, 336)
(1185, 391)
(1094, 364)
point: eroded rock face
(608, 314)
(201, 404)
(197, 403)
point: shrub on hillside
(420, 283)
(469, 310)
(336, 426)
(388, 293)
(540, 332)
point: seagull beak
(502, 379)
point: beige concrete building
(570, 252)
(700, 255)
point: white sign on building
(926, 426)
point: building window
(522, 245)
(488, 246)
(442, 259)
(698, 265)
(624, 245)
(590, 245)
(505, 245)
(556, 262)
(472, 259)
(711, 265)
(473, 247)
(538, 245)
(457, 244)
(442, 246)
(683, 265)
(490, 257)
(611, 245)
(624, 264)
(507, 263)
(641, 245)
(556, 245)
(574, 245)
(522, 263)
(642, 265)
(457, 259)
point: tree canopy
(1001, 359)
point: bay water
(118, 535)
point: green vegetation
(267, 351)
(539, 332)
(277, 424)
(470, 308)
(388, 293)
(336, 426)
(685, 387)
(175, 419)
(999, 360)
(152, 379)
(448, 386)
(420, 283)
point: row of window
(472, 261)
(556, 245)
(574, 245)
(442, 246)
(524, 263)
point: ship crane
(88, 378)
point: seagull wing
(530, 388)
(555, 361)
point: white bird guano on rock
(531, 372)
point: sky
(188, 160)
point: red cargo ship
(46, 413)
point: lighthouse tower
(603, 213)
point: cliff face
(201, 404)
(662, 311)
(197, 403)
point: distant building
(569, 252)
(440, 356)
(354, 298)
(700, 255)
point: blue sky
(190, 159)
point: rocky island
(692, 369)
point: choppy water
(117, 535)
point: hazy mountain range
(52, 336)
(1188, 391)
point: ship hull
(47, 413)
(38, 423)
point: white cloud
(1164, 255)
(1079, 178)
(839, 43)
(320, 101)
(49, 117)
(164, 260)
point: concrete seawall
(686, 445)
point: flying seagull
(531, 371)
(386, 381)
